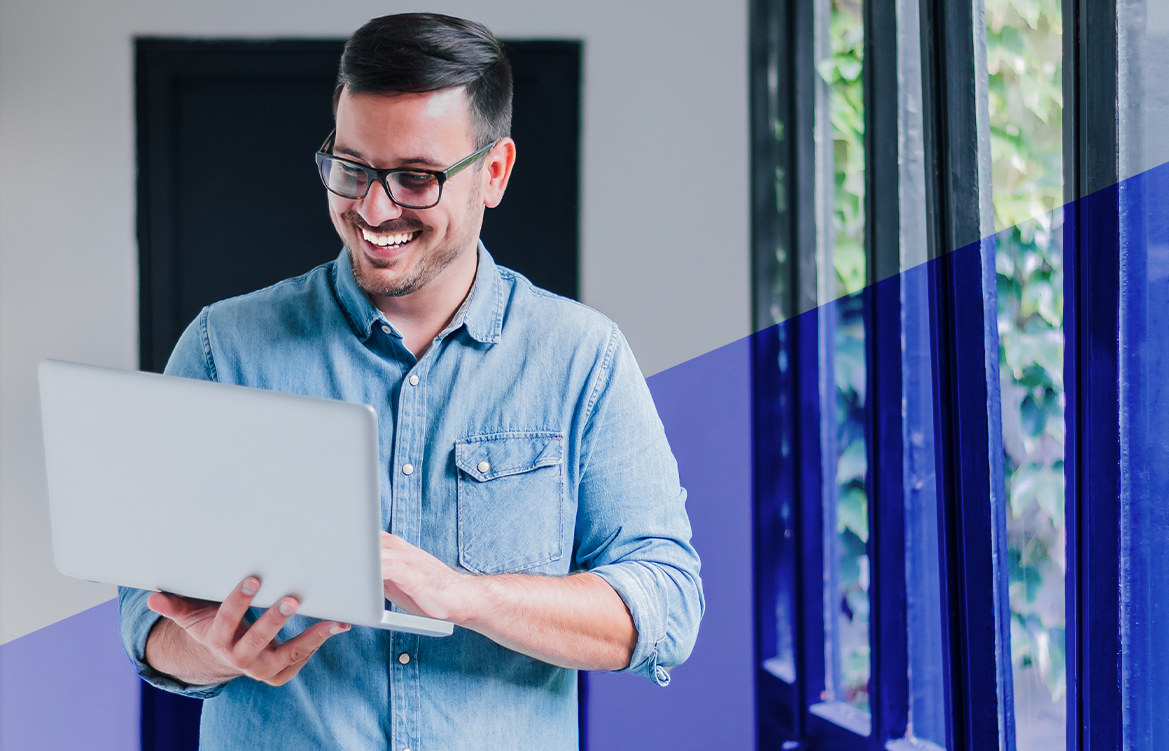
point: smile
(390, 240)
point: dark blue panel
(886, 490)
(1092, 471)
(705, 407)
(923, 574)
(972, 525)
(788, 536)
(809, 520)
(169, 722)
(1144, 459)
(775, 533)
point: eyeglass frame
(381, 175)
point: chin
(395, 281)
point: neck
(422, 315)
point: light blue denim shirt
(581, 479)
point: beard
(429, 265)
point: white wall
(665, 91)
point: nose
(377, 207)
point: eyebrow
(411, 161)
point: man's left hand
(575, 621)
(419, 583)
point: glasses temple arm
(327, 146)
(457, 168)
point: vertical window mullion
(785, 399)
(972, 525)
(1091, 371)
(888, 629)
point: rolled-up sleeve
(632, 529)
(191, 359)
(135, 623)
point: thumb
(181, 610)
(161, 604)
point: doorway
(204, 238)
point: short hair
(422, 52)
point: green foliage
(1024, 59)
(852, 506)
(1024, 54)
(842, 72)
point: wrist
(171, 650)
(470, 595)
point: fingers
(240, 647)
(398, 552)
(254, 643)
(294, 653)
(231, 613)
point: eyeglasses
(408, 187)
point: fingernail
(338, 630)
(250, 586)
(287, 608)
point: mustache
(401, 224)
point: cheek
(338, 207)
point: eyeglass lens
(412, 189)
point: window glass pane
(841, 239)
(1024, 61)
(852, 507)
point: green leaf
(852, 464)
(852, 513)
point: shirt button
(407, 469)
(484, 467)
(386, 329)
(404, 658)
(413, 380)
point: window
(1025, 115)
(961, 299)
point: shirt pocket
(510, 501)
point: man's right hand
(201, 643)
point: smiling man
(529, 493)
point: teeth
(398, 238)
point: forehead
(385, 127)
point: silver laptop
(186, 486)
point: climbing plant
(1024, 61)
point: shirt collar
(481, 313)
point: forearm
(575, 621)
(170, 650)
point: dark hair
(421, 52)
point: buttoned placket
(406, 473)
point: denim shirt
(544, 390)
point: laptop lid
(187, 486)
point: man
(530, 496)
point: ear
(497, 168)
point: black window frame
(979, 700)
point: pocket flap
(501, 454)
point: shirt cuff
(135, 623)
(632, 582)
